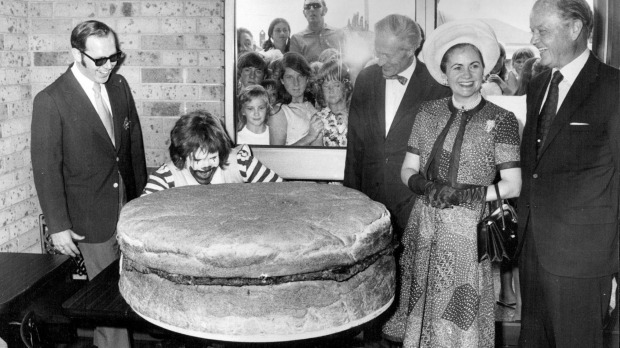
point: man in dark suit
(568, 208)
(385, 101)
(88, 154)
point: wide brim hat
(472, 31)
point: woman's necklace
(469, 105)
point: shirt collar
(572, 69)
(408, 73)
(86, 83)
(324, 29)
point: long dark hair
(297, 62)
(268, 44)
(253, 60)
(198, 130)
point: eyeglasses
(314, 6)
(101, 61)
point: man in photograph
(318, 36)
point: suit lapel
(79, 101)
(379, 92)
(579, 91)
(539, 93)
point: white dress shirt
(570, 72)
(87, 85)
(394, 92)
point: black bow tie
(401, 79)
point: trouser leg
(98, 256)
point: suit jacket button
(535, 176)
(115, 185)
(116, 159)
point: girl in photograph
(335, 89)
(254, 109)
(294, 121)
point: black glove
(418, 184)
(440, 196)
(472, 195)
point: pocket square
(579, 124)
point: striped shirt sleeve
(159, 180)
(252, 170)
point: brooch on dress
(490, 125)
(126, 123)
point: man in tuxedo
(88, 155)
(385, 101)
(568, 208)
(384, 104)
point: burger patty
(339, 274)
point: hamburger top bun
(252, 230)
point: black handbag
(497, 233)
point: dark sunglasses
(101, 61)
(314, 6)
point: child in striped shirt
(201, 153)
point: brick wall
(19, 207)
(174, 64)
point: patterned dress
(446, 298)
(335, 127)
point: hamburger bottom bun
(269, 313)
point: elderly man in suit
(385, 101)
(88, 154)
(568, 208)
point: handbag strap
(501, 205)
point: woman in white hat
(457, 146)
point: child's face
(202, 165)
(251, 76)
(255, 112)
(333, 91)
(273, 94)
(518, 65)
